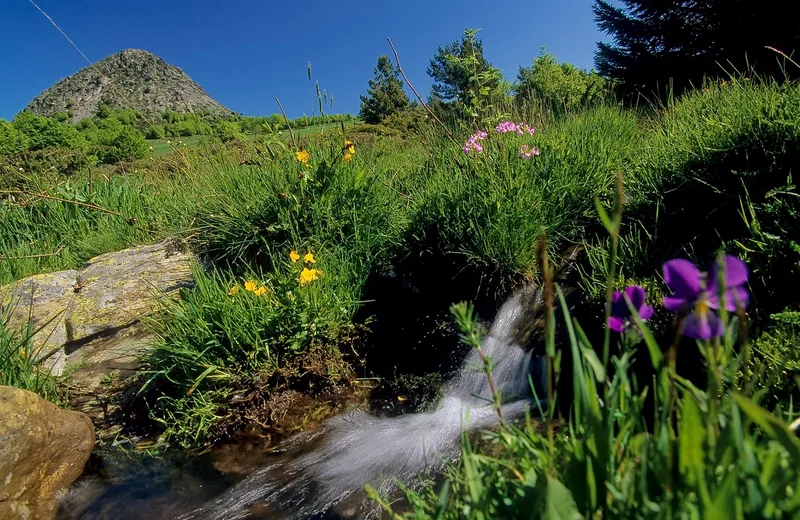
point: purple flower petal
(646, 312)
(736, 273)
(733, 296)
(683, 278)
(636, 295)
(677, 304)
(618, 306)
(702, 325)
(616, 323)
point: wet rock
(43, 449)
(90, 320)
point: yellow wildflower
(347, 157)
(261, 291)
(309, 258)
(22, 354)
(308, 275)
(303, 156)
(401, 398)
(233, 290)
(294, 256)
(250, 285)
(349, 146)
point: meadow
(302, 238)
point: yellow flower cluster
(308, 258)
(306, 275)
(250, 286)
(309, 275)
(349, 150)
(303, 156)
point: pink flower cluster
(473, 143)
(526, 152)
(510, 126)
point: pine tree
(673, 44)
(464, 77)
(385, 95)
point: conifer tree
(672, 44)
(385, 95)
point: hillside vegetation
(132, 79)
(314, 243)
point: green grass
(717, 162)
(19, 363)
(627, 446)
(327, 128)
(492, 208)
(161, 147)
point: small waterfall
(323, 474)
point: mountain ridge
(131, 78)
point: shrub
(562, 87)
(43, 132)
(12, 141)
(228, 131)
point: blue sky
(245, 52)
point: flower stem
(547, 283)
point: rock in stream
(43, 449)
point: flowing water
(323, 474)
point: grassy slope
(397, 199)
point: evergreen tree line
(658, 50)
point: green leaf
(604, 216)
(200, 378)
(724, 505)
(597, 366)
(772, 426)
(589, 354)
(692, 436)
(559, 504)
(649, 340)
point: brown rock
(43, 449)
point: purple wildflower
(686, 282)
(621, 317)
(473, 143)
(526, 152)
(505, 127)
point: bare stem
(547, 283)
(487, 367)
(66, 201)
(612, 264)
(291, 133)
(400, 68)
(45, 255)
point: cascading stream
(355, 449)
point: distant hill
(131, 78)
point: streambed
(322, 473)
